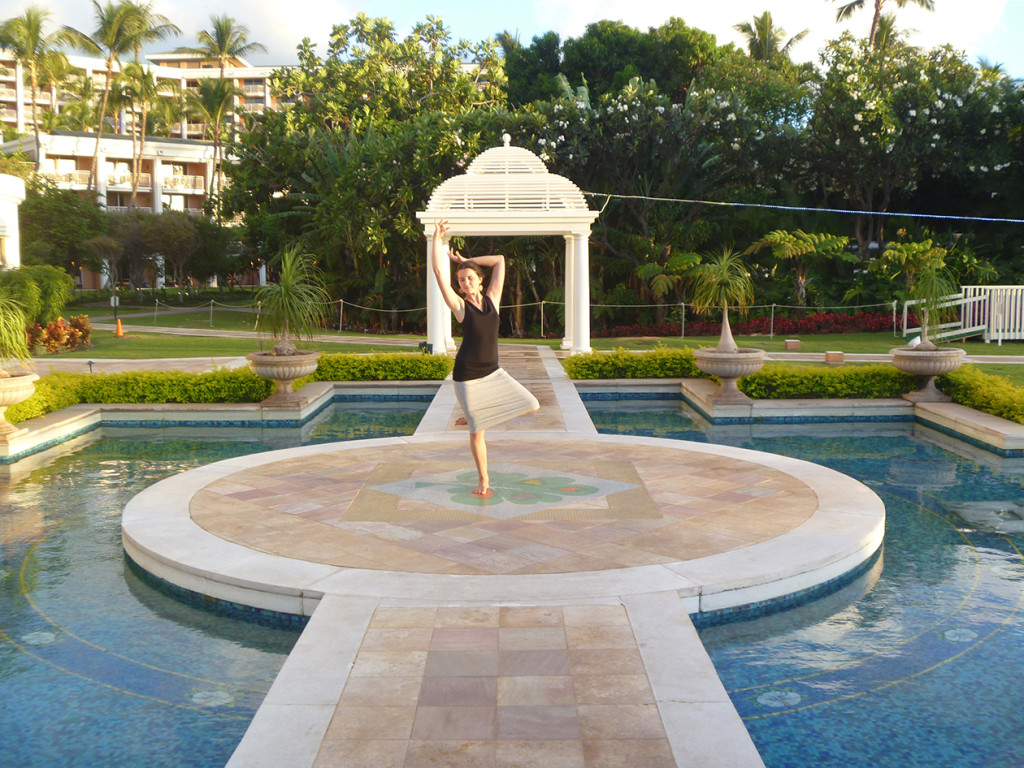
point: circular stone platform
(571, 518)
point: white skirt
(493, 400)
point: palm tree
(223, 41)
(211, 104)
(151, 26)
(35, 50)
(80, 113)
(719, 282)
(141, 90)
(117, 29)
(847, 10)
(764, 39)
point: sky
(991, 29)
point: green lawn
(137, 346)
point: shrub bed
(238, 385)
(984, 392)
(384, 366)
(780, 382)
(659, 363)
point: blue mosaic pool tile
(1006, 453)
(702, 619)
(52, 443)
(217, 605)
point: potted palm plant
(290, 308)
(717, 283)
(933, 286)
(15, 386)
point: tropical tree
(141, 91)
(211, 104)
(26, 37)
(718, 282)
(225, 40)
(149, 26)
(801, 249)
(847, 10)
(116, 34)
(764, 39)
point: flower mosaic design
(519, 488)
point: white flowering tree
(888, 120)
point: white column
(101, 178)
(581, 301)
(438, 331)
(263, 274)
(21, 110)
(570, 281)
(160, 272)
(158, 186)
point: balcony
(125, 209)
(124, 181)
(8, 94)
(73, 179)
(185, 183)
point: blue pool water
(98, 669)
(916, 663)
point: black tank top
(478, 354)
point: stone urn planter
(283, 370)
(729, 366)
(926, 364)
(13, 390)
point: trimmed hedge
(238, 385)
(984, 392)
(780, 382)
(658, 363)
(383, 366)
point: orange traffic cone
(120, 331)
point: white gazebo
(509, 191)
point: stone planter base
(729, 367)
(14, 390)
(283, 370)
(926, 365)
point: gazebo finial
(506, 139)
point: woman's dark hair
(473, 266)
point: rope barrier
(806, 209)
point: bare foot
(461, 421)
(482, 492)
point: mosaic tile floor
(559, 507)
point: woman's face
(469, 282)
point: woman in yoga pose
(487, 394)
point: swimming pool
(97, 667)
(915, 663)
(912, 664)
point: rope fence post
(156, 307)
(894, 318)
(682, 320)
(771, 326)
(542, 319)
(211, 313)
(341, 314)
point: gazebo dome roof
(507, 178)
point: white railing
(194, 183)
(1004, 313)
(125, 180)
(8, 94)
(125, 209)
(71, 178)
(994, 312)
